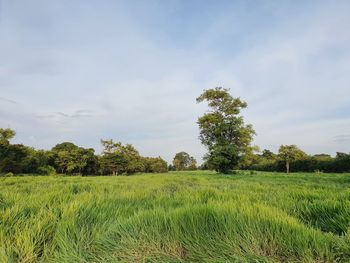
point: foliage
(181, 217)
(155, 165)
(183, 161)
(221, 158)
(16, 158)
(222, 129)
(6, 134)
(46, 170)
(119, 159)
(69, 158)
(304, 163)
(290, 153)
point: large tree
(183, 161)
(223, 131)
(290, 153)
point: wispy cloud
(8, 100)
(75, 114)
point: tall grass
(176, 217)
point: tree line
(68, 158)
(291, 158)
(223, 132)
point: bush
(46, 170)
(10, 174)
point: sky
(86, 70)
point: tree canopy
(290, 153)
(183, 161)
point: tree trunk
(287, 167)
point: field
(176, 217)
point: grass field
(176, 217)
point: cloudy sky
(130, 70)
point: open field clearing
(176, 217)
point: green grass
(176, 217)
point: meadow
(196, 216)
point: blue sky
(131, 70)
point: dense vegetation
(300, 161)
(68, 158)
(176, 217)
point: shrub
(10, 174)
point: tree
(183, 161)
(117, 158)
(290, 153)
(92, 164)
(64, 161)
(69, 158)
(155, 165)
(341, 155)
(193, 164)
(81, 158)
(249, 158)
(223, 131)
(16, 158)
(222, 157)
(6, 134)
(171, 167)
(267, 154)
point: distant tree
(64, 161)
(183, 161)
(69, 158)
(193, 164)
(118, 158)
(64, 157)
(204, 166)
(223, 131)
(92, 164)
(15, 158)
(268, 155)
(6, 134)
(155, 165)
(81, 157)
(290, 153)
(249, 158)
(322, 157)
(341, 155)
(171, 167)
